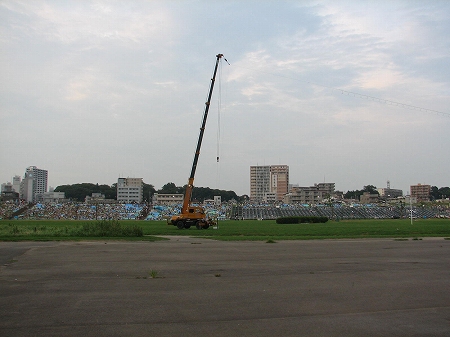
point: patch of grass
(244, 230)
(265, 230)
(270, 241)
(14, 229)
(108, 228)
(57, 230)
(153, 273)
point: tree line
(435, 193)
(200, 193)
(440, 193)
(78, 192)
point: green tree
(170, 188)
(148, 191)
(445, 192)
(371, 189)
(199, 193)
(204, 193)
(357, 193)
(439, 193)
(78, 192)
(353, 194)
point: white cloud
(127, 81)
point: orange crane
(196, 215)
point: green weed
(153, 273)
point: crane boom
(190, 185)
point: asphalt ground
(202, 287)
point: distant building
(217, 201)
(410, 200)
(421, 192)
(99, 198)
(269, 183)
(53, 196)
(8, 193)
(16, 183)
(167, 199)
(388, 192)
(34, 184)
(14, 186)
(368, 198)
(130, 190)
(310, 195)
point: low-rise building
(53, 196)
(310, 195)
(167, 199)
(389, 193)
(99, 198)
(368, 198)
(217, 201)
(8, 193)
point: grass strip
(19, 230)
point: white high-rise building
(16, 183)
(34, 184)
(269, 183)
(130, 190)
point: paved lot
(212, 288)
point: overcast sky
(96, 90)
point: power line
(358, 95)
(385, 101)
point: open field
(13, 230)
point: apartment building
(130, 190)
(268, 183)
(421, 192)
(16, 183)
(34, 184)
(310, 195)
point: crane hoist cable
(219, 109)
(219, 106)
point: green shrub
(301, 219)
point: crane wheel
(180, 224)
(206, 226)
(198, 225)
